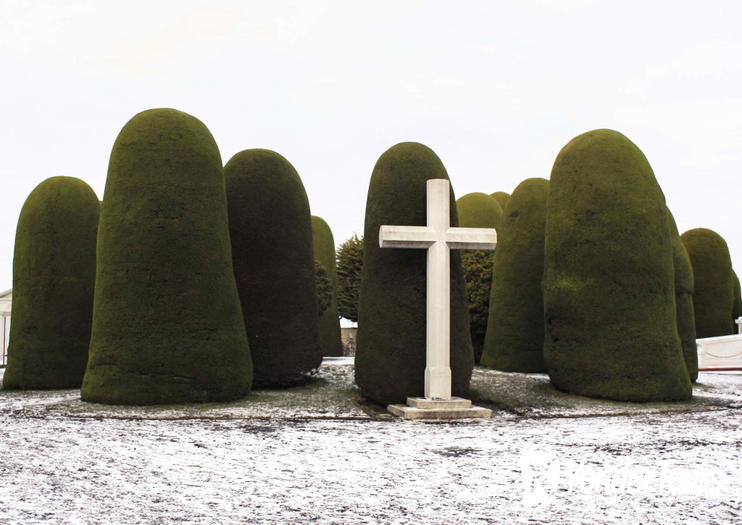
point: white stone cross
(438, 237)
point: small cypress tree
(53, 280)
(167, 326)
(713, 294)
(609, 294)
(390, 354)
(515, 329)
(502, 198)
(329, 322)
(686, 319)
(349, 265)
(737, 308)
(271, 231)
(478, 210)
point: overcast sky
(496, 88)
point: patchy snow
(319, 454)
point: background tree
(324, 253)
(349, 266)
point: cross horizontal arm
(471, 238)
(406, 237)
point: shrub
(515, 329)
(478, 210)
(167, 326)
(271, 231)
(349, 265)
(329, 322)
(53, 280)
(609, 295)
(390, 354)
(502, 198)
(713, 294)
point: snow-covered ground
(319, 454)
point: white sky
(496, 88)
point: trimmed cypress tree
(686, 318)
(329, 322)
(609, 295)
(271, 230)
(713, 295)
(167, 326)
(515, 329)
(737, 308)
(390, 355)
(478, 210)
(53, 280)
(502, 198)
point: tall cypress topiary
(502, 198)
(515, 329)
(684, 300)
(167, 326)
(271, 230)
(609, 295)
(713, 295)
(390, 354)
(329, 322)
(737, 307)
(53, 280)
(478, 210)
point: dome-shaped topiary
(478, 210)
(53, 280)
(271, 230)
(329, 322)
(502, 198)
(167, 325)
(737, 307)
(515, 328)
(609, 294)
(713, 294)
(390, 353)
(686, 319)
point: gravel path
(64, 461)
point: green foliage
(53, 280)
(737, 308)
(390, 355)
(324, 288)
(478, 210)
(167, 326)
(609, 294)
(349, 265)
(685, 315)
(477, 267)
(713, 295)
(502, 198)
(515, 328)
(271, 231)
(329, 322)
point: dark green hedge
(167, 325)
(271, 231)
(390, 355)
(502, 198)
(737, 308)
(329, 322)
(53, 280)
(609, 294)
(478, 210)
(713, 294)
(686, 319)
(515, 329)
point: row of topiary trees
(590, 281)
(203, 283)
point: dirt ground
(320, 454)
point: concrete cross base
(455, 408)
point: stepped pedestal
(454, 408)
